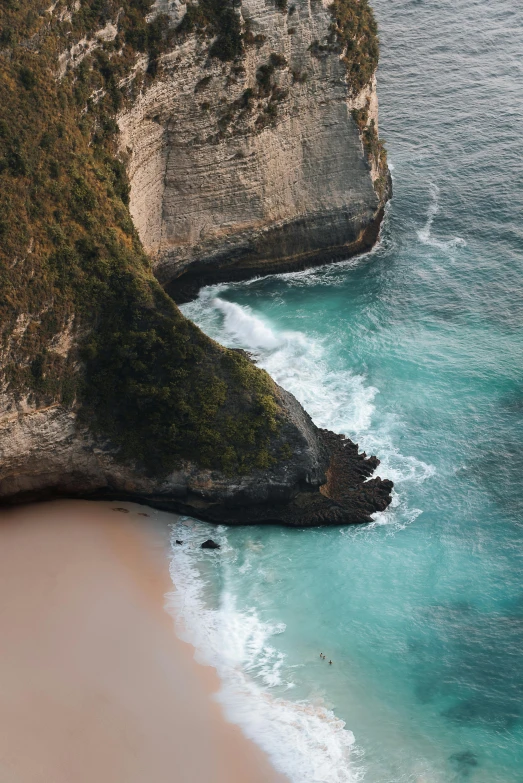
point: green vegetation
(215, 18)
(266, 95)
(153, 376)
(278, 60)
(139, 374)
(265, 73)
(250, 39)
(355, 31)
(71, 263)
(374, 147)
(299, 77)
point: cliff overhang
(235, 155)
(266, 158)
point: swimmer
(330, 663)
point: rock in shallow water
(209, 544)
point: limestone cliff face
(261, 160)
(48, 450)
(246, 168)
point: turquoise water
(416, 352)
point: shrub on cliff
(215, 18)
(374, 148)
(72, 269)
(355, 30)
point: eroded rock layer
(44, 454)
(248, 148)
(255, 165)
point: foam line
(338, 400)
(308, 743)
(425, 233)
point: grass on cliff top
(147, 379)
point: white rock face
(223, 181)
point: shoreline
(96, 683)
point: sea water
(415, 351)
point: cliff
(244, 141)
(268, 162)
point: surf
(306, 742)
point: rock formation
(249, 147)
(256, 165)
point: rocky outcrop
(46, 453)
(210, 544)
(248, 151)
(256, 165)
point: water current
(416, 352)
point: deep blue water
(416, 352)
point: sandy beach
(94, 683)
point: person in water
(330, 663)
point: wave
(330, 273)
(425, 233)
(306, 742)
(336, 399)
(339, 400)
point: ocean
(415, 351)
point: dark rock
(344, 496)
(209, 544)
(280, 248)
(325, 480)
(179, 542)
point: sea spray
(421, 611)
(336, 398)
(305, 741)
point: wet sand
(94, 683)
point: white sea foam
(336, 399)
(332, 274)
(339, 400)
(308, 743)
(425, 233)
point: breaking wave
(306, 742)
(336, 399)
